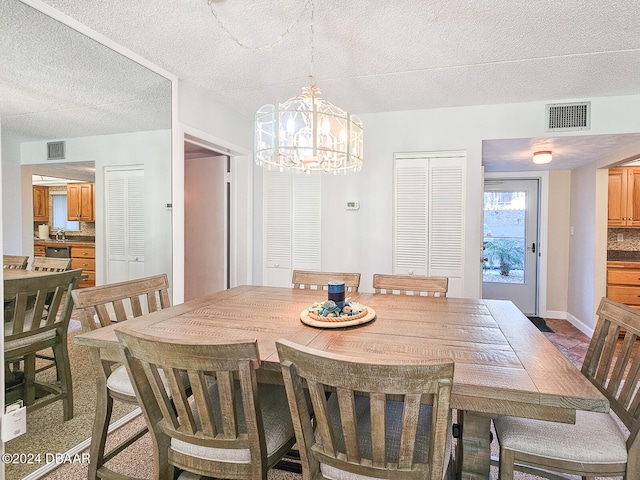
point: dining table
(503, 364)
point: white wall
(12, 208)
(150, 149)
(363, 239)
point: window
(60, 214)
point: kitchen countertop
(64, 243)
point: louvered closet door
(428, 215)
(292, 235)
(125, 230)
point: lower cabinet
(84, 257)
(623, 282)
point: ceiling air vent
(568, 116)
(55, 151)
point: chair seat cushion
(119, 382)
(393, 430)
(595, 438)
(278, 427)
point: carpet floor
(137, 460)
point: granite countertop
(623, 256)
(68, 241)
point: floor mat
(540, 324)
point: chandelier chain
(296, 21)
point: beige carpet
(47, 433)
(138, 460)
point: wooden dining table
(503, 364)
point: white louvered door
(125, 225)
(428, 214)
(291, 216)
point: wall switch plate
(353, 205)
(620, 237)
(14, 422)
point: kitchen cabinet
(40, 203)
(81, 202)
(84, 257)
(624, 197)
(623, 282)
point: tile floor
(568, 339)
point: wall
(364, 242)
(558, 242)
(588, 244)
(12, 208)
(630, 239)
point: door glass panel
(504, 237)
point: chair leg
(104, 409)
(63, 368)
(29, 379)
(505, 470)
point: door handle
(533, 248)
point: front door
(510, 240)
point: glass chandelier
(308, 134)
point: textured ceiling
(368, 56)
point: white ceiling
(368, 57)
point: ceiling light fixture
(308, 134)
(542, 157)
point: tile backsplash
(630, 239)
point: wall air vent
(562, 117)
(55, 151)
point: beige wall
(558, 240)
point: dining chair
(18, 262)
(98, 307)
(50, 264)
(411, 285)
(369, 420)
(38, 324)
(319, 280)
(595, 446)
(231, 428)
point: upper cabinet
(81, 202)
(40, 203)
(624, 197)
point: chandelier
(308, 134)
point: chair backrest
(319, 280)
(15, 261)
(52, 304)
(211, 418)
(384, 402)
(50, 264)
(116, 302)
(612, 363)
(411, 285)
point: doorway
(207, 199)
(510, 242)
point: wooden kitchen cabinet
(40, 203)
(624, 197)
(623, 282)
(84, 257)
(81, 202)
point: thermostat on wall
(353, 205)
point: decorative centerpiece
(329, 311)
(337, 311)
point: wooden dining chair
(98, 307)
(595, 446)
(411, 285)
(232, 427)
(319, 280)
(18, 262)
(381, 420)
(39, 321)
(50, 264)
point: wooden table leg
(473, 450)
